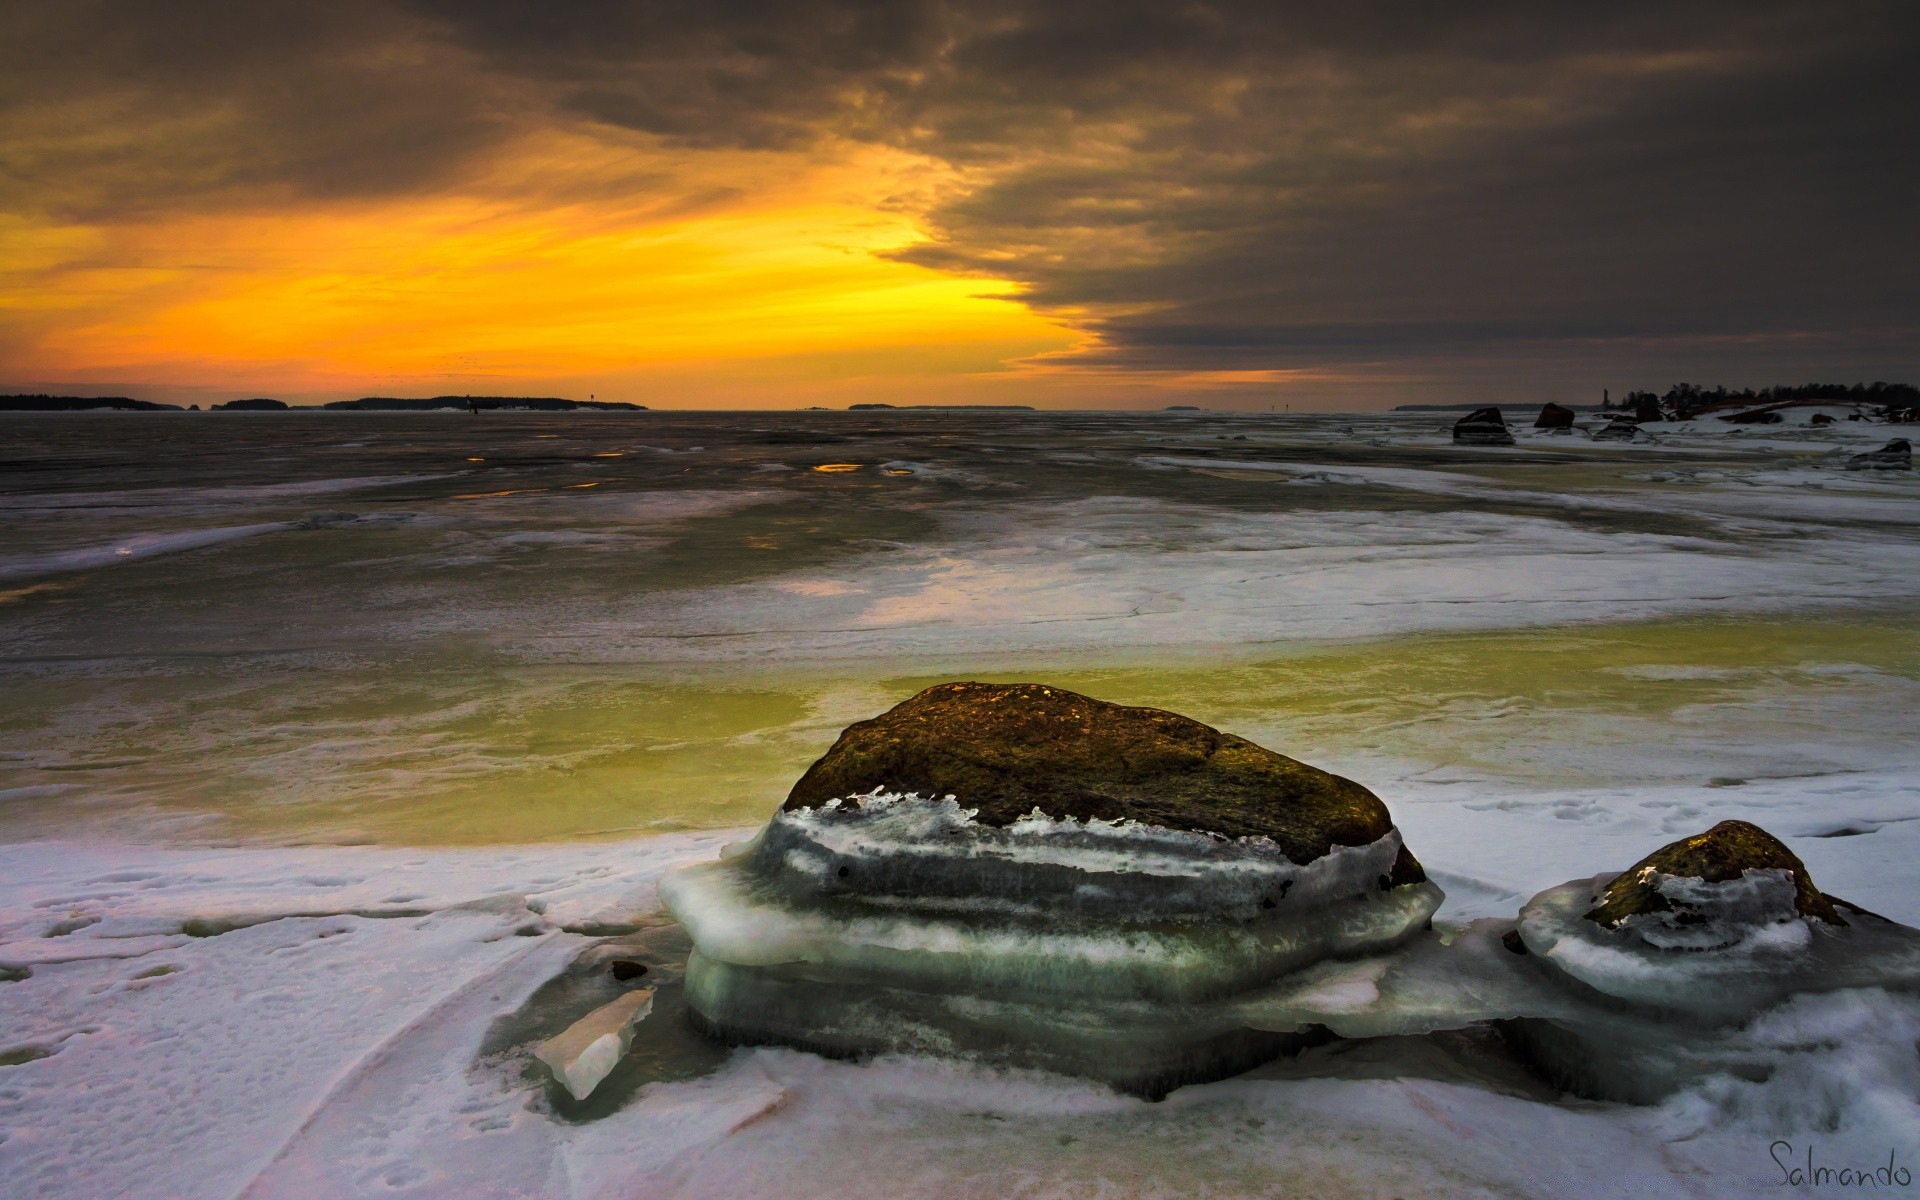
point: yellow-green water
(449, 755)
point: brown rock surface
(1719, 855)
(1007, 749)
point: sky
(743, 205)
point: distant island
(944, 407)
(481, 404)
(44, 403)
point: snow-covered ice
(544, 628)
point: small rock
(1621, 430)
(627, 968)
(1721, 855)
(1896, 455)
(1482, 427)
(593, 1046)
(1821, 419)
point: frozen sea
(335, 747)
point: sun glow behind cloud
(571, 264)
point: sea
(332, 743)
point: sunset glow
(487, 291)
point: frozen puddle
(336, 1022)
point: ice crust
(1144, 956)
(896, 922)
(891, 848)
(374, 975)
(1754, 953)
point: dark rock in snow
(1896, 455)
(1621, 430)
(1553, 416)
(1482, 427)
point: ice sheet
(334, 1056)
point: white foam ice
(918, 849)
(1143, 575)
(238, 495)
(129, 549)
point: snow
(326, 1046)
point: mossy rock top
(1719, 855)
(1007, 749)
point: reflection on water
(450, 630)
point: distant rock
(258, 404)
(1622, 429)
(1553, 416)
(1820, 419)
(1482, 427)
(1754, 416)
(1896, 455)
(1181, 408)
(593, 1046)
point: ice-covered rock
(1022, 875)
(1669, 960)
(590, 1048)
(1482, 427)
(1896, 455)
(1620, 429)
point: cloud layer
(1413, 191)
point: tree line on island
(1894, 402)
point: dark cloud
(1208, 186)
(115, 107)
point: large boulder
(1482, 427)
(1024, 876)
(1008, 750)
(1896, 455)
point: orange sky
(719, 278)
